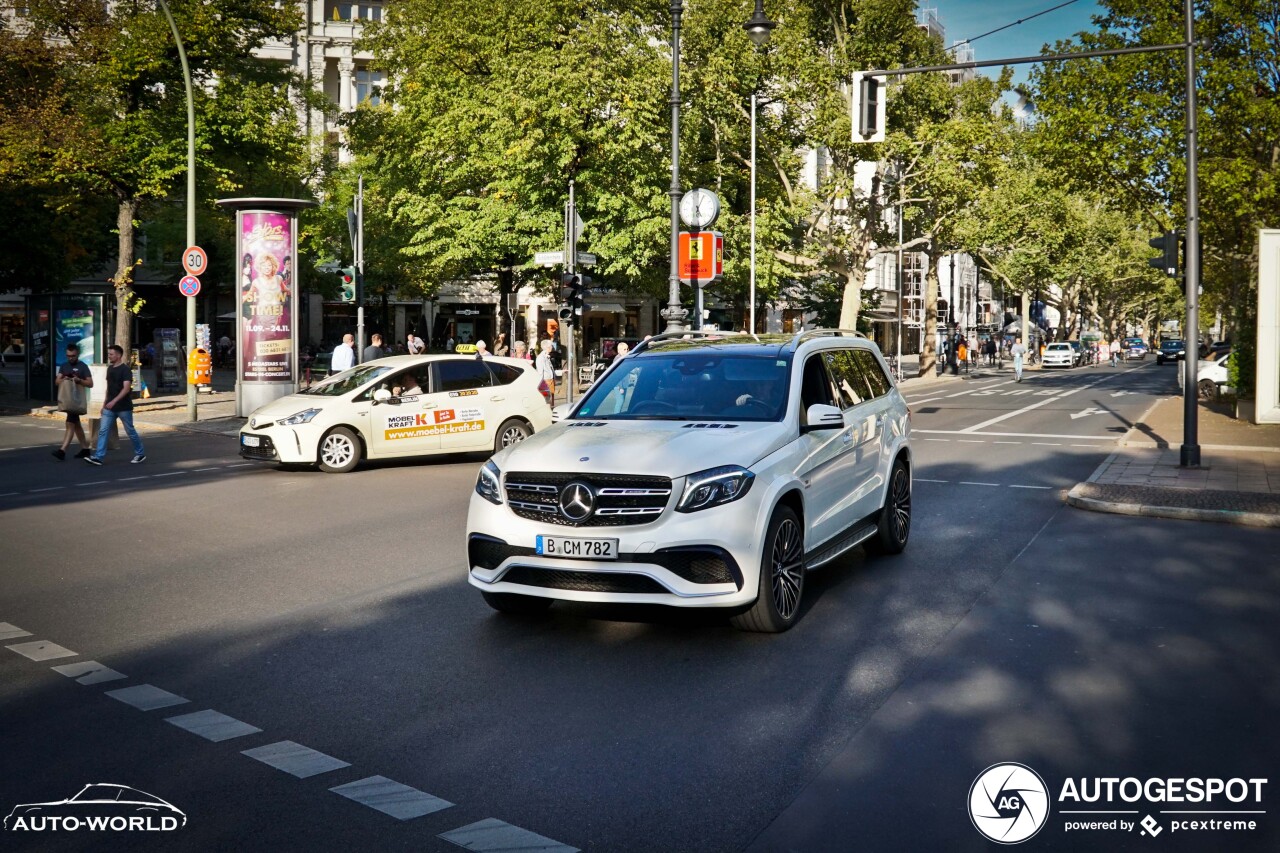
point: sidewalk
(216, 411)
(1237, 482)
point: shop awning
(608, 308)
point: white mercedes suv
(701, 470)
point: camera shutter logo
(1008, 803)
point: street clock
(699, 208)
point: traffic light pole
(359, 258)
(571, 267)
(1190, 452)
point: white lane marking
(239, 465)
(96, 483)
(1018, 434)
(214, 468)
(392, 798)
(295, 759)
(8, 494)
(1084, 413)
(1016, 486)
(938, 439)
(924, 480)
(1084, 445)
(9, 631)
(968, 483)
(212, 725)
(1006, 442)
(1048, 443)
(963, 440)
(131, 479)
(24, 447)
(41, 650)
(88, 672)
(50, 489)
(146, 697)
(491, 835)
(1026, 409)
(170, 474)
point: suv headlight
(489, 483)
(713, 487)
(303, 417)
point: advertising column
(266, 325)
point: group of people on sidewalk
(73, 381)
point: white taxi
(408, 405)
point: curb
(1221, 516)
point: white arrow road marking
(1092, 410)
(1122, 393)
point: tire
(512, 431)
(339, 451)
(893, 528)
(777, 605)
(510, 602)
(1208, 389)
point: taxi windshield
(347, 381)
(693, 386)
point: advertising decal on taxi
(441, 422)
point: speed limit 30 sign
(194, 260)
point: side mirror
(559, 412)
(382, 395)
(822, 416)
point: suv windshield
(347, 381)
(697, 385)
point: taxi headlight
(489, 483)
(303, 417)
(714, 487)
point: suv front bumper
(702, 559)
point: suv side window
(874, 373)
(815, 386)
(850, 380)
(459, 374)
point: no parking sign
(189, 285)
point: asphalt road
(332, 612)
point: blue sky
(965, 19)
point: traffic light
(868, 108)
(575, 287)
(1167, 261)
(348, 278)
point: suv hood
(661, 448)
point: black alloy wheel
(781, 585)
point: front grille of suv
(621, 499)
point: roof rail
(663, 337)
(801, 337)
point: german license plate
(249, 440)
(579, 549)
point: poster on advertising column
(266, 250)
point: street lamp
(759, 27)
(674, 313)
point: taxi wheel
(339, 451)
(511, 432)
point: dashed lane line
(1026, 409)
(1017, 434)
(170, 474)
(970, 483)
(49, 489)
(1017, 486)
(392, 798)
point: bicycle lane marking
(1029, 408)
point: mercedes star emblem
(577, 501)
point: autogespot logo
(1008, 803)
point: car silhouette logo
(100, 806)
(577, 501)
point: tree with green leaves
(101, 109)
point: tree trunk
(123, 279)
(929, 352)
(851, 303)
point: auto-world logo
(100, 807)
(1008, 803)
